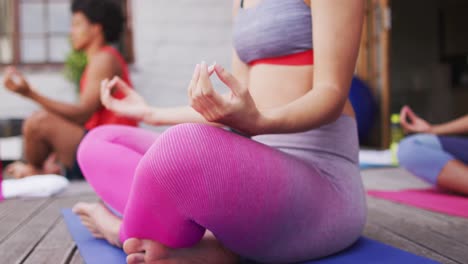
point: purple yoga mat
(430, 199)
(364, 251)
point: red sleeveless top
(103, 116)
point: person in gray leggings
(437, 153)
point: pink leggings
(259, 202)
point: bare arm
(100, 68)
(454, 127)
(134, 106)
(412, 123)
(337, 29)
(172, 116)
(186, 114)
(176, 115)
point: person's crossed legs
(48, 139)
(439, 160)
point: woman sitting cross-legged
(286, 187)
(438, 154)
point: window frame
(126, 41)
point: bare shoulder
(104, 62)
(103, 58)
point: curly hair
(106, 13)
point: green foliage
(75, 65)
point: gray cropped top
(273, 28)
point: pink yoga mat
(430, 199)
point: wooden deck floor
(33, 232)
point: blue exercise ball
(365, 107)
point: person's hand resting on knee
(412, 123)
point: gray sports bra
(273, 28)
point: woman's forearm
(457, 126)
(320, 106)
(158, 116)
(71, 112)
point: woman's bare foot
(207, 251)
(52, 165)
(20, 170)
(99, 221)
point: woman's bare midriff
(277, 85)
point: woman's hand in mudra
(132, 105)
(235, 109)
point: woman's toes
(82, 208)
(136, 258)
(133, 245)
(155, 250)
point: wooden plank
(18, 247)
(391, 179)
(454, 227)
(5, 207)
(56, 247)
(15, 213)
(428, 234)
(77, 259)
(417, 230)
(78, 188)
(385, 236)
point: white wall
(171, 37)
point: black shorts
(75, 173)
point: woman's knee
(189, 130)
(412, 148)
(36, 122)
(105, 132)
(192, 139)
(423, 156)
(88, 149)
(180, 156)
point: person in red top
(52, 135)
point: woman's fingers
(203, 97)
(230, 81)
(194, 81)
(106, 97)
(10, 77)
(201, 92)
(203, 105)
(195, 77)
(211, 69)
(204, 84)
(122, 86)
(194, 92)
(109, 87)
(404, 121)
(210, 94)
(7, 78)
(411, 114)
(403, 116)
(15, 76)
